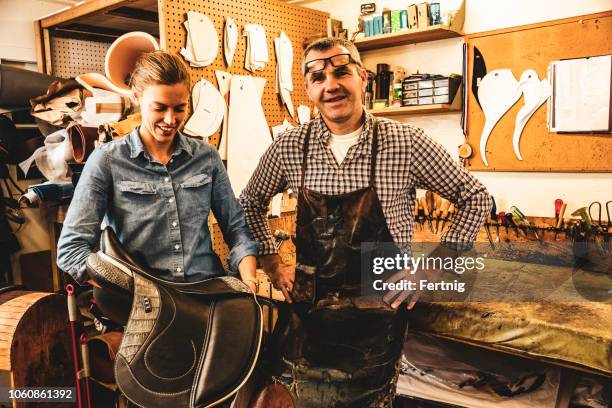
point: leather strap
(374, 153)
(305, 154)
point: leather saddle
(185, 344)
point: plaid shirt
(407, 160)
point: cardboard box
(423, 15)
(412, 17)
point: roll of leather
(18, 86)
(83, 140)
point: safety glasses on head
(319, 64)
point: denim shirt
(160, 213)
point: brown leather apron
(338, 347)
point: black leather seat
(185, 344)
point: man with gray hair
(356, 178)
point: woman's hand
(247, 268)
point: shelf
(432, 33)
(415, 110)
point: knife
(479, 70)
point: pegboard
(274, 15)
(285, 222)
(71, 57)
(535, 46)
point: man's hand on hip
(281, 274)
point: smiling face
(337, 92)
(164, 110)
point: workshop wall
(17, 27)
(17, 47)
(534, 193)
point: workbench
(568, 325)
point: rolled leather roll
(18, 86)
(82, 140)
(122, 55)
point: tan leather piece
(122, 55)
(273, 396)
(565, 328)
(60, 100)
(126, 126)
(119, 63)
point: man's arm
(436, 170)
(81, 229)
(267, 181)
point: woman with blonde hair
(156, 188)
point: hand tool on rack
(447, 214)
(72, 317)
(582, 213)
(559, 216)
(443, 216)
(489, 237)
(431, 204)
(504, 222)
(438, 210)
(280, 236)
(494, 216)
(427, 213)
(419, 213)
(521, 217)
(511, 222)
(488, 222)
(588, 223)
(607, 244)
(598, 229)
(558, 205)
(596, 204)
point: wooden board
(274, 15)
(431, 33)
(535, 46)
(72, 57)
